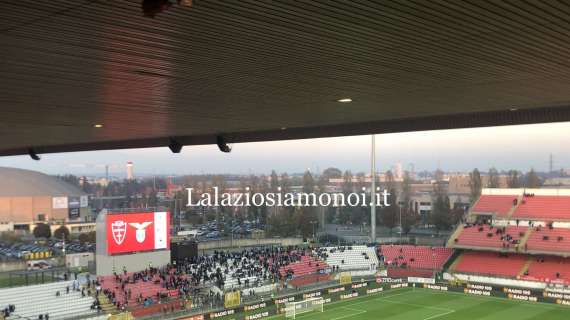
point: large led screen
(136, 232)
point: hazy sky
(518, 147)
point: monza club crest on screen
(133, 232)
(119, 230)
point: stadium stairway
(455, 235)
(106, 306)
(453, 260)
(514, 208)
(455, 263)
(474, 205)
(525, 267)
(524, 239)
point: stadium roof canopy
(26, 183)
(269, 70)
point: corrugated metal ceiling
(247, 69)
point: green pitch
(423, 304)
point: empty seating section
(138, 312)
(486, 236)
(501, 205)
(309, 279)
(491, 263)
(307, 265)
(544, 239)
(549, 269)
(350, 257)
(404, 273)
(543, 208)
(31, 301)
(415, 257)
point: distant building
(556, 182)
(171, 188)
(459, 183)
(28, 197)
(358, 179)
(101, 181)
(130, 173)
(503, 181)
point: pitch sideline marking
(540, 305)
(439, 315)
(349, 315)
(381, 297)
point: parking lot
(19, 250)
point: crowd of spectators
(244, 270)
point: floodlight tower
(373, 192)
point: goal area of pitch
(295, 308)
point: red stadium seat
(415, 257)
(307, 265)
(500, 205)
(549, 269)
(546, 208)
(544, 239)
(485, 236)
(491, 264)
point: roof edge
(441, 122)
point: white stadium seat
(31, 301)
(351, 258)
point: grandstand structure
(510, 236)
(522, 234)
